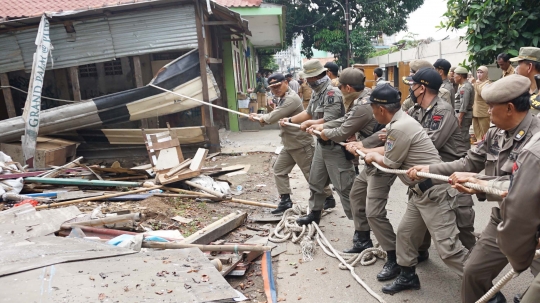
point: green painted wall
(228, 70)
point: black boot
(313, 216)
(364, 242)
(283, 205)
(517, 298)
(390, 269)
(407, 279)
(356, 236)
(498, 298)
(423, 256)
(330, 202)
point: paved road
(307, 284)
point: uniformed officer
(508, 99)
(298, 146)
(517, 234)
(407, 144)
(529, 66)
(329, 162)
(332, 71)
(438, 119)
(415, 66)
(442, 66)
(464, 107)
(359, 119)
(451, 77)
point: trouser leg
(426, 242)
(483, 265)
(318, 180)
(465, 127)
(377, 197)
(341, 173)
(303, 158)
(533, 293)
(282, 167)
(357, 198)
(410, 233)
(465, 222)
(440, 219)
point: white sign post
(32, 106)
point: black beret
(384, 94)
(275, 78)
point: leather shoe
(497, 298)
(283, 205)
(363, 242)
(330, 202)
(517, 298)
(407, 279)
(390, 269)
(313, 216)
(423, 256)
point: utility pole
(347, 33)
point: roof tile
(239, 3)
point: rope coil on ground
(287, 229)
(502, 282)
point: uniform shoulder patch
(331, 93)
(390, 142)
(436, 122)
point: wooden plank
(4, 80)
(72, 195)
(217, 229)
(137, 71)
(214, 60)
(205, 112)
(198, 160)
(220, 23)
(163, 145)
(62, 181)
(183, 175)
(74, 77)
(167, 158)
(178, 168)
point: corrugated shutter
(154, 31)
(105, 39)
(10, 54)
(93, 43)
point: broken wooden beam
(107, 220)
(81, 182)
(234, 248)
(99, 198)
(208, 190)
(217, 229)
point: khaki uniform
(510, 71)
(480, 111)
(464, 104)
(380, 81)
(298, 146)
(496, 154)
(535, 103)
(444, 94)
(520, 210)
(407, 145)
(446, 84)
(439, 122)
(305, 91)
(329, 162)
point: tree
(494, 26)
(266, 60)
(322, 23)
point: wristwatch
(290, 121)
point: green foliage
(494, 26)
(322, 23)
(266, 59)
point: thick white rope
(288, 229)
(500, 284)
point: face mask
(318, 82)
(413, 97)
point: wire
(25, 92)
(308, 24)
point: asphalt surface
(321, 280)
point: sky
(424, 19)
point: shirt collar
(523, 127)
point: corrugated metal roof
(239, 3)
(105, 39)
(153, 31)
(10, 53)
(14, 9)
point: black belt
(325, 143)
(422, 187)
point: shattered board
(176, 275)
(47, 250)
